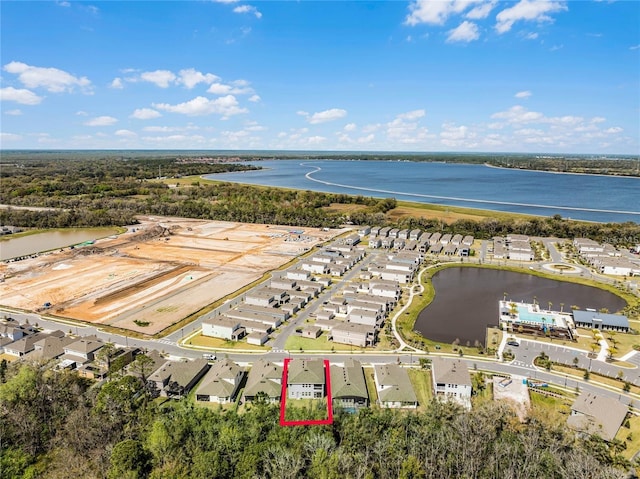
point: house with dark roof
(177, 378)
(394, 387)
(264, 380)
(306, 379)
(451, 381)
(221, 384)
(597, 415)
(348, 386)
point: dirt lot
(158, 272)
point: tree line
(56, 425)
(112, 191)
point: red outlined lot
(283, 399)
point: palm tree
(550, 304)
(561, 307)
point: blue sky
(429, 75)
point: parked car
(209, 356)
(513, 343)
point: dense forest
(112, 191)
(56, 425)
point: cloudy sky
(424, 75)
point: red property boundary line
(283, 399)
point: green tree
(128, 460)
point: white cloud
(63, 4)
(101, 121)
(161, 78)
(531, 36)
(9, 137)
(19, 95)
(145, 114)
(411, 115)
(191, 77)
(436, 12)
(465, 32)
(170, 129)
(527, 10)
(255, 98)
(52, 79)
(518, 114)
(16, 112)
(225, 106)
(634, 47)
(237, 87)
(324, 116)
(315, 140)
(82, 113)
(350, 127)
(481, 11)
(598, 119)
(366, 139)
(116, 84)
(523, 94)
(248, 9)
(458, 136)
(126, 133)
(613, 130)
(405, 129)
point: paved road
(529, 350)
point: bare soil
(165, 270)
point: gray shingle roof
(396, 384)
(447, 371)
(597, 414)
(348, 381)
(306, 371)
(265, 377)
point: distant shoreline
(488, 165)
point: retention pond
(466, 301)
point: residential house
(596, 414)
(354, 334)
(394, 387)
(451, 381)
(264, 380)
(223, 327)
(348, 386)
(221, 383)
(306, 379)
(177, 378)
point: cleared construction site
(154, 275)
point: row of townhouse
(514, 247)
(267, 306)
(605, 258)
(436, 243)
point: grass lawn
(371, 385)
(295, 343)
(624, 342)
(616, 383)
(631, 437)
(421, 381)
(217, 343)
(305, 409)
(551, 404)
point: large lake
(12, 247)
(466, 300)
(586, 197)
